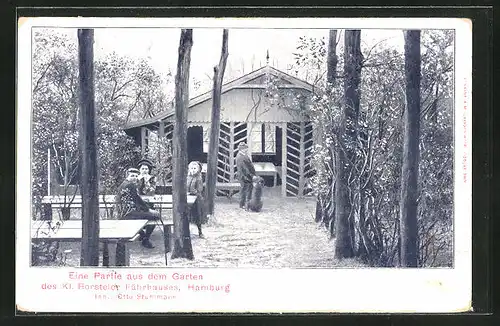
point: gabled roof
(241, 83)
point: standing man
(246, 172)
(130, 206)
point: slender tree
(332, 59)
(346, 142)
(326, 201)
(411, 153)
(182, 238)
(213, 148)
(88, 147)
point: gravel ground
(283, 235)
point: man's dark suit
(246, 171)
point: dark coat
(246, 171)
(128, 199)
(148, 188)
(194, 185)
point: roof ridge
(225, 87)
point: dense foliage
(375, 182)
(126, 89)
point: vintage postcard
(244, 165)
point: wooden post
(284, 151)
(144, 141)
(213, 147)
(161, 129)
(182, 245)
(250, 127)
(88, 149)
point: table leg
(166, 241)
(122, 254)
(105, 255)
(111, 251)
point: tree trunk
(90, 205)
(331, 74)
(332, 60)
(409, 175)
(330, 207)
(343, 244)
(213, 148)
(318, 216)
(182, 238)
(346, 144)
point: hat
(145, 161)
(242, 145)
(133, 170)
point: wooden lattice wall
(168, 132)
(298, 164)
(297, 145)
(231, 134)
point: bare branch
(35, 89)
(134, 105)
(113, 98)
(371, 49)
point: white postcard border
(262, 290)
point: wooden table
(266, 169)
(261, 168)
(118, 232)
(162, 203)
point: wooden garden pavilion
(265, 109)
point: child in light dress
(195, 188)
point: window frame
(263, 140)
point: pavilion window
(263, 139)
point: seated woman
(146, 187)
(130, 206)
(147, 182)
(195, 187)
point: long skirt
(197, 212)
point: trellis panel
(231, 134)
(298, 155)
(168, 133)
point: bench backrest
(108, 201)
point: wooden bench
(114, 233)
(162, 203)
